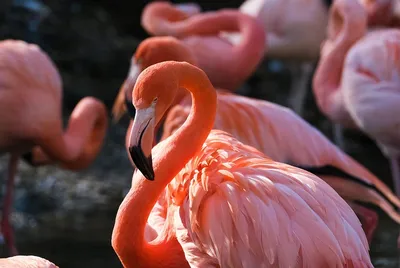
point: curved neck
(170, 156)
(156, 15)
(328, 74)
(245, 56)
(79, 145)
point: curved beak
(123, 101)
(141, 141)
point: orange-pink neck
(79, 145)
(170, 156)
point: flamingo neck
(157, 17)
(170, 156)
(77, 147)
(244, 57)
(327, 78)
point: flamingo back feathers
(285, 137)
(231, 199)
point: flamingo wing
(26, 262)
(237, 208)
(285, 137)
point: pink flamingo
(246, 119)
(228, 204)
(30, 109)
(357, 78)
(227, 65)
(295, 30)
(25, 262)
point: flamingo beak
(123, 101)
(133, 75)
(141, 141)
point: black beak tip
(130, 107)
(143, 164)
(150, 177)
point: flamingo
(227, 65)
(30, 109)
(246, 119)
(295, 30)
(26, 261)
(357, 79)
(224, 197)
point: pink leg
(7, 205)
(368, 218)
(395, 166)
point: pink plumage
(228, 205)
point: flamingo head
(151, 51)
(153, 94)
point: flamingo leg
(299, 87)
(395, 167)
(7, 205)
(338, 136)
(368, 218)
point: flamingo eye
(155, 100)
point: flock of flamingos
(223, 180)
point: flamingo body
(361, 90)
(26, 262)
(228, 204)
(31, 119)
(371, 91)
(302, 145)
(249, 119)
(227, 184)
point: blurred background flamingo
(296, 29)
(31, 97)
(364, 87)
(227, 65)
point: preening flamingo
(26, 262)
(357, 80)
(30, 109)
(228, 204)
(295, 30)
(248, 119)
(227, 65)
(371, 92)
